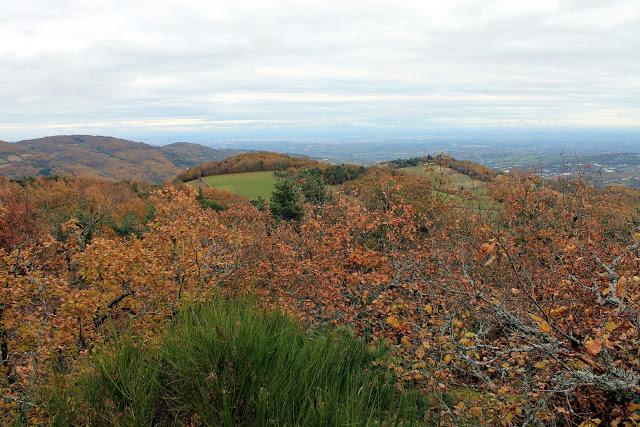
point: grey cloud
(124, 67)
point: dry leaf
(406, 342)
(593, 346)
(394, 321)
(543, 325)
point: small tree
(259, 203)
(286, 203)
(312, 187)
(208, 203)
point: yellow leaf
(593, 346)
(466, 342)
(428, 309)
(558, 311)
(394, 321)
(406, 342)
(540, 365)
(365, 295)
(610, 326)
(543, 325)
(535, 318)
(447, 359)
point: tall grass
(229, 363)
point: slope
(101, 157)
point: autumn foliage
(247, 162)
(526, 313)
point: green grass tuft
(229, 363)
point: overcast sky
(167, 68)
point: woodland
(387, 299)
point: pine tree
(286, 203)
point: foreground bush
(520, 311)
(232, 364)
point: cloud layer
(172, 67)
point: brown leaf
(593, 346)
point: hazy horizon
(612, 139)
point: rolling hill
(248, 162)
(102, 157)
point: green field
(248, 184)
(454, 179)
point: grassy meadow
(249, 184)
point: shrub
(286, 201)
(228, 363)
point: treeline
(474, 170)
(471, 169)
(247, 162)
(268, 161)
(32, 208)
(410, 162)
(339, 174)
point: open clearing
(248, 184)
(453, 179)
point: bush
(232, 364)
(286, 201)
(208, 203)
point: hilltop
(253, 175)
(247, 162)
(101, 157)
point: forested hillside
(248, 162)
(517, 304)
(101, 157)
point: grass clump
(229, 363)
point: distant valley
(608, 160)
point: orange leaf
(488, 247)
(406, 342)
(394, 321)
(543, 325)
(593, 346)
(559, 310)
